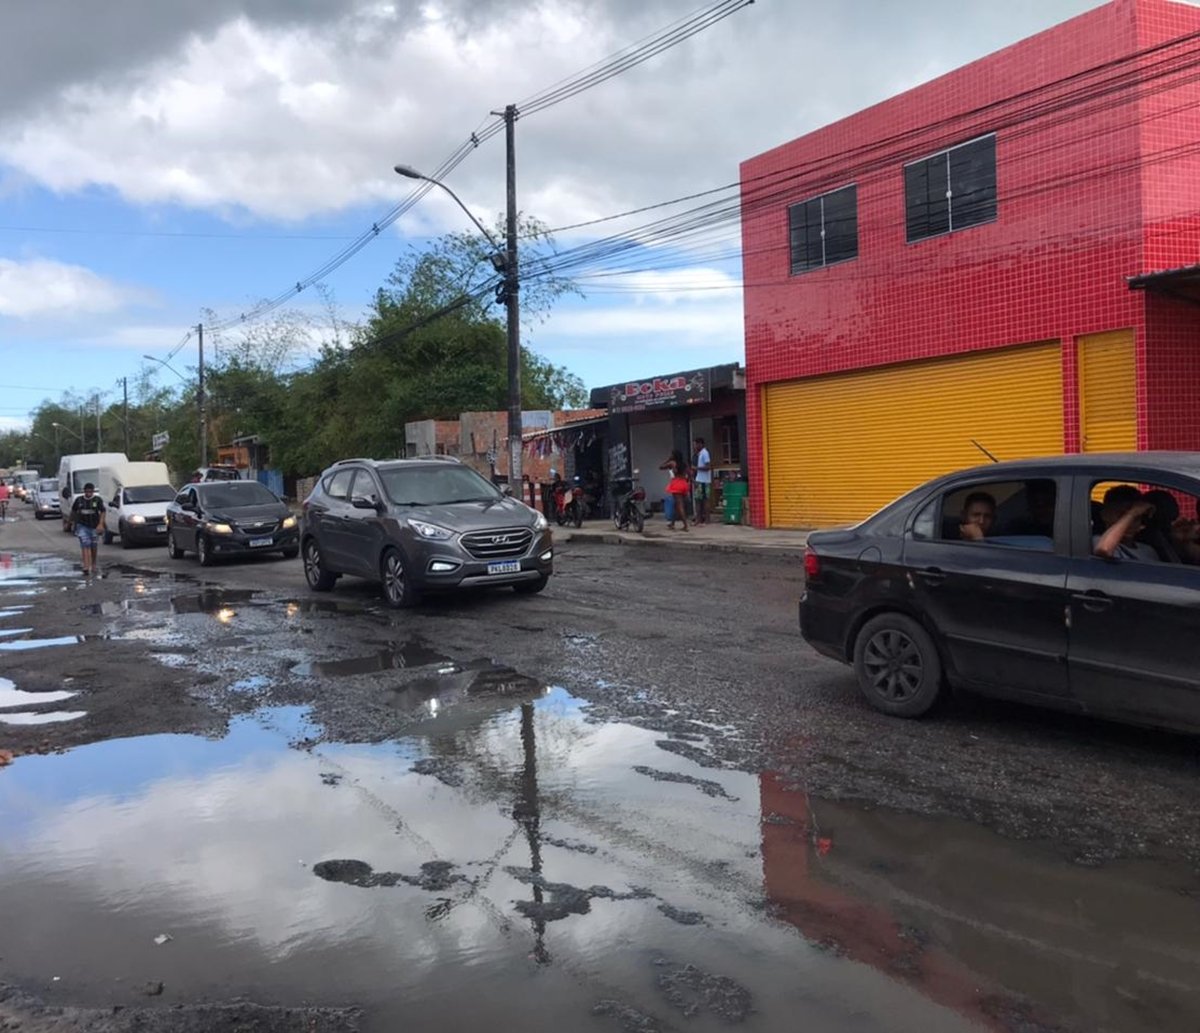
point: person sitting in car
(978, 516)
(1168, 531)
(1124, 513)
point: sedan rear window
(436, 485)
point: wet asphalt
(636, 801)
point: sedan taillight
(812, 564)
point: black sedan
(1070, 582)
(224, 518)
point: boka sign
(661, 392)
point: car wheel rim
(393, 578)
(312, 564)
(201, 549)
(894, 666)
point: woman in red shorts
(678, 487)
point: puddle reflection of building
(994, 929)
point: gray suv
(420, 525)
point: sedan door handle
(1094, 601)
(932, 575)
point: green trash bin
(733, 498)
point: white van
(98, 468)
(137, 509)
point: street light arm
(411, 173)
(63, 426)
(163, 362)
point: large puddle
(512, 864)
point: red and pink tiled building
(1007, 257)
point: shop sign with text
(660, 392)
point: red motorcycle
(569, 503)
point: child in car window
(978, 516)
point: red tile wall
(1097, 181)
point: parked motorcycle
(627, 504)
(570, 506)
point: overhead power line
(633, 56)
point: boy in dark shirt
(87, 521)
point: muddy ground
(697, 650)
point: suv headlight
(540, 523)
(137, 518)
(430, 531)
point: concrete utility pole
(200, 400)
(98, 442)
(512, 302)
(125, 410)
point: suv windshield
(149, 493)
(436, 485)
(50, 486)
(238, 493)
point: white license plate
(258, 543)
(161, 529)
(507, 567)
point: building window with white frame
(824, 230)
(951, 190)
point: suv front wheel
(398, 589)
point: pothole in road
(11, 696)
(31, 718)
(509, 827)
(413, 653)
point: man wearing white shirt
(703, 478)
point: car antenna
(984, 451)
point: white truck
(100, 469)
(137, 508)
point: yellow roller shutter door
(839, 447)
(1107, 392)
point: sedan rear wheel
(398, 589)
(898, 667)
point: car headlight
(137, 518)
(288, 522)
(431, 531)
(218, 529)
(540, 523)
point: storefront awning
(1182, 282)
(566, 428)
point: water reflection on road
(512, 863)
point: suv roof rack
(437, 459)
(342, 462)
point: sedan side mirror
(66, 493)
(365, 502)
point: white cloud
(40, 287)
(243, 109)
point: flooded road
(312, 803)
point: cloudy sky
(160, 160)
